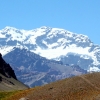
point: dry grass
(5, 95)
(85, 87)
(19, 94)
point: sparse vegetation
(6, 95)
(20, 94)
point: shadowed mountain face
(35, 70)
(5, 69)
(8, 80)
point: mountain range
(34, 70)
(53, 45)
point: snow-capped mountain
(35, 70)
(53, 43)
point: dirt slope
(84, 87)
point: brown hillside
(84, 87)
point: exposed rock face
(34, 70)
(5, 69)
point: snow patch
(94, 69)
(2, 36)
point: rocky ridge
(35, 70)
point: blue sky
(79, 16)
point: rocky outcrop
(5, 69)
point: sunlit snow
(67, 42)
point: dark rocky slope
(5, 69)
(8, 80)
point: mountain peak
(52, 43)
(9, 28)
(44, 27)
